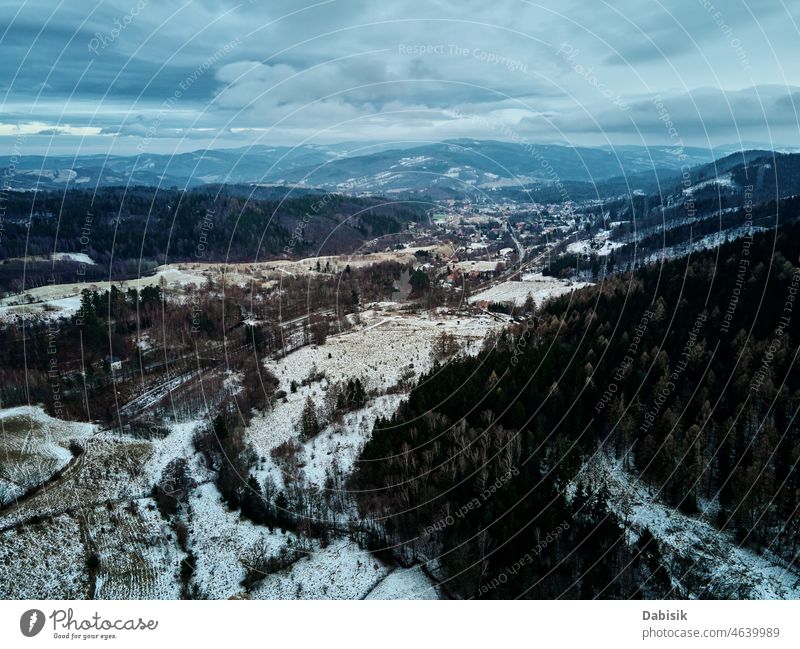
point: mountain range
(453, 165)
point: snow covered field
(138, 555)
(723, 182)
(340, 571)
(101, 509)
(600, 244)
(75, 257)
(49, 309)
(405, 583)
(78, 257)
(33, 446)
(487, 265)
(220, 539)
(63, 300)
(540, 287)
(109, 469)
(43, 561)
(388, 346)
(334, 451)
(244, 273)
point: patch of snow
(707, 242)
(540, 287)
(34, 446)
(337, 447)
(44, 561)
(340, 571)
(725, 180)
(138, 553)
(689, 543)
(177, 444)
(220, 539)
(414, 160)
(405, 583)
(379, 353)
(80, 257)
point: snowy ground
(111, 468)
(101, 506)
(138, 555)
(79, 257)
(244, 273)
(76, 257)
(693, 549)
(388, 346)
(340, 571)
(61, 300)
(405, 583)
(379, 352)
(138, 552)
(33, 446)
(486, 265)
(178, 444)
(220, 540)
(108, 470)
(336, 448)
(43, 561)
(707, 242)
(48, 310)
(723, 181)
(540, 287)
(600, 244)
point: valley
(208, 426)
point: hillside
(684, 372)
(453, 165)
(143, 223)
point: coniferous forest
(683, 373)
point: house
(113, 362)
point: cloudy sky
(175, 75)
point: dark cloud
(284, 71)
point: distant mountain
(467, 165)
(772, 176)
(454, 166)
(730, 198)
(248, 165)
(765, 175)
(720, 178)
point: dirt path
(75, 463)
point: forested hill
(199, 224)
(685, 372)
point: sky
(129, 76)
